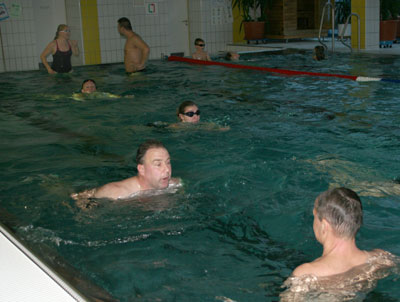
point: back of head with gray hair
(342, 208)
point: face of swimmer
(191, 114)
(155, 169)
(88, 87)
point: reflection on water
(363, 180)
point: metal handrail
(358, 33)
(333, 25)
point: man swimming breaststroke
(136, 51)
(154, 176)
(343, 270)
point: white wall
(18, 39)
(48, 14)
(371, 24)
(211, 20)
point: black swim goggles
(191, 113)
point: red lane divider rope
(275, 70)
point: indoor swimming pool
(243, 219)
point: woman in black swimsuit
(61, 48)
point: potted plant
(253, 17)
(342, 12)
(389, 10)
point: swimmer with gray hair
(343, 268)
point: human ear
(140, 169)
(325, 226)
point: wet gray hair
(342, 208)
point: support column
(90, 31)
(368, 10)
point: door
(178, 27)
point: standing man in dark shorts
(136, 51)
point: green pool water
(243, 220)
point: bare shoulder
(51, 47)
(135, 40)
(118, 189)
(304, 269)
(52, 43)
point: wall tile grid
(206, 24)
(18, 38)
(372, 24)
(151, 28)
(73, 15)
(19, 34)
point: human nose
(167, 168)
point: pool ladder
(333, 26)
(328, 3)
(344, 30)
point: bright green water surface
(243, 221)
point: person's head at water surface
(63, 31)
(88, 86)
(319, 53)
(232, 56)
(342, 209)
(188, 112)
(153, 165)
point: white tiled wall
(18, 38)
(73, 16)
(24, 37)
(154, 29)
(372, 24)
(211, 20)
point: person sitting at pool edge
(337, 218)
(200, 54)
(154, 173)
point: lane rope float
(281, 71)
